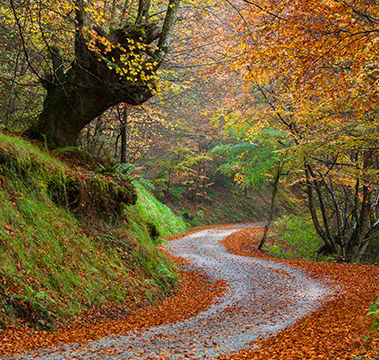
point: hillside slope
(72, 238)
(227, 204)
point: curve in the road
(263, 297)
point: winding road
(262, 297)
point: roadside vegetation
(72, 238)
(293, 236)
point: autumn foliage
(311, 71)
(335, 331)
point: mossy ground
(77, 245)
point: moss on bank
(71, 238)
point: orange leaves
(8, 230)
(332, 332)
(312, 71)
(336, 330)
(313, 51)
(194, 295)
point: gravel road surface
(262, 298)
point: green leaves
(251, 162)
(373, 313)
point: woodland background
(210, 101)
(227, 111)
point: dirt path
(262, 298)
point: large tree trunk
(84, 92)
(68, 108)
(99, 78)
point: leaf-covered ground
(337, 330)
(333, 332)
(190, 299)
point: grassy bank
(71, 238)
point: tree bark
(123, 128)
(272, 205)
(91, 85)
(68, 108)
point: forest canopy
(311, 71)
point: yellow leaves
(314, 68)
(39, 23)
(239, 178)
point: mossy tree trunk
(93, 83)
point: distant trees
(255, 161)
(89, 56)
(184, 168)
(124, 133)
(18, 86)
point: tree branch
(79, 17)
(264, 10)
(23, 40)
(168, 28)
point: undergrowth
(293, 236)
(150, 218)
(55, 262)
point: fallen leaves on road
(334, 332)
(194, 295)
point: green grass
(148, 210)
(55, 264)
(45, 251)
(295, 237)
(26, 152)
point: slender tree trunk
(116, 146)
(362, 228)
(346, 228)
(312, 185)
(123, 129)
(123, 158)
(272, 205)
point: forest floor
(334, 331)
(339, 329)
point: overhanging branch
(19, 27)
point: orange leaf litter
(333, 332)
